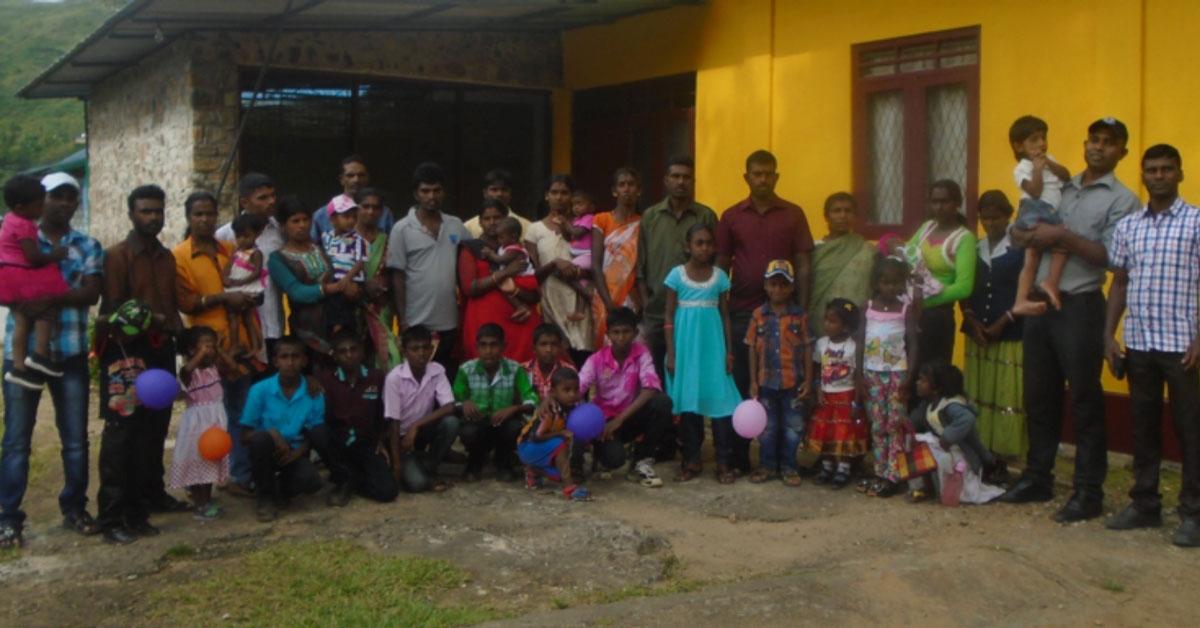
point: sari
(378, 314)
(841, 269)
(620, 267)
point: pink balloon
(749, 419)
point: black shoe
(82, 523)
(142, 528)
(996, 474)
(839, 481)
(28, 379)
(42, 364)
(266, 510)
(339, 495)
(1188, 534)
(1025, 491)
(119, 535)
(165, 503)
(1131, 518)
(1079, 509)
(824, 477)
(471, 476)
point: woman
(841, 263)
(614, 251)
(550, 254)
(947, 248)
(994, 352)
(301, 270)
(485, 302)
(377, 306)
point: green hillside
(32, 36)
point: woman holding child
(841, 262)
(550, 254)
(484, 296)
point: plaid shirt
(541, 383)
(85, 257)
(779, 342)
(509, 386)
(1161, 253)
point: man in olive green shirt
(660, 247)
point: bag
(917, 460)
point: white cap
(55, 180)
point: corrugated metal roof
(143, 26)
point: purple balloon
(586, 422)
(156, 388)
(749, 419)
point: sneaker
(43, 364)
(533, 481)
(28, 379)
(208, 512)
(643, 473)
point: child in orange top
(545, 443)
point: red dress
(493, 308)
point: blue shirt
(267, 409)
(85, 257)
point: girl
(946, 421)
(888, 347)
(201, 382)
(28, 275)
(246, 272)
(835, 433)
(700, 352)
(579, 233)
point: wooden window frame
(914, 85)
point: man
(660, 247)
(1156, 271)
(750, 234)
(497, 186)
(423, 255)
(82, 271)
(138, 269)
(1067, 346)
(353, 177)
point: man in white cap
(82, 270)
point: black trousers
(419, 468)
(299, 476)
(1148, 372)
(739, 322)
(935, 342)
(447, 352)
(650, 423)
(367, 471)
(1065, 348)
(481, 438)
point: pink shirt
(15, 229)
(617, 385)
(406, 400)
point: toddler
(201, 380)
(579, 234)
(246, 272)
(509, 234)
(348, 253)
(1040, 179)
(545, 443)
(837, 432)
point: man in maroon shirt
(750, 234)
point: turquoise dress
(700, 383)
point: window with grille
(915, 121)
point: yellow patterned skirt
(994, 384)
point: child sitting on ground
(508, 232)
(348, 253)
(1040, 179)
(545, 443)
(579, 234)
(202, 388)
(246, 272)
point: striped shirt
(1161, 253)
(779, 341)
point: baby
(511, 250)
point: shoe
(643, 473)
(119, 535)
(165, 503)
(143, 528)
(266, 511)
(82, 523)
(824, 477)
(471, 476)
(1026, 491)
(31, 380)
(339, 495)
(42, 364)
(1079, 509)
(839, 481)
(1188, 534)
(1131, 518)
(996, 474)
(208, 512)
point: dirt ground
(697, 554)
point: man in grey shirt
(1066, 346)
(423, 257)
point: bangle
(1010, 316)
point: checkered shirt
(85, 257)
(510, 386)
(1162, 256)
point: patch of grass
(1119, 481)
(561, 603)
(1113, 585)
(331, 583)
(8, 555)
(183, 550)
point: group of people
(404, 336)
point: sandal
(825, 476)
(688, 472)
(762, 475)
(10, 537)
(791, 478)
(882, 488)
(726, 476)
(916, 497)
(533, 481)
(577, 493)
(839, 481)
(82, 523)
(864, 485)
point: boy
(354, 413)
(410, 394)
(1040, 179)
(629, 392)
(780, 372)
(281, 421)
(347, 253)
(545, 443)
(547, 358)
(495, 394)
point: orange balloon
(215, 444)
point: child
(348, 253)
(545, 443)
(946, 421)
(509, 234)
(579, 234)
(836, 433)
(1040, 179)
(888, 347)
(202, 388)
(419, 407)
(699, 358)
(246, 272)
(548, 357)
(28, 275)
(780, 372)
(921, 282)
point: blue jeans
(69, 394)
(235, 398)
(785, 430)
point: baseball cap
(341, 204)
(55, 180)
(1112, 124)
(780, 268)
